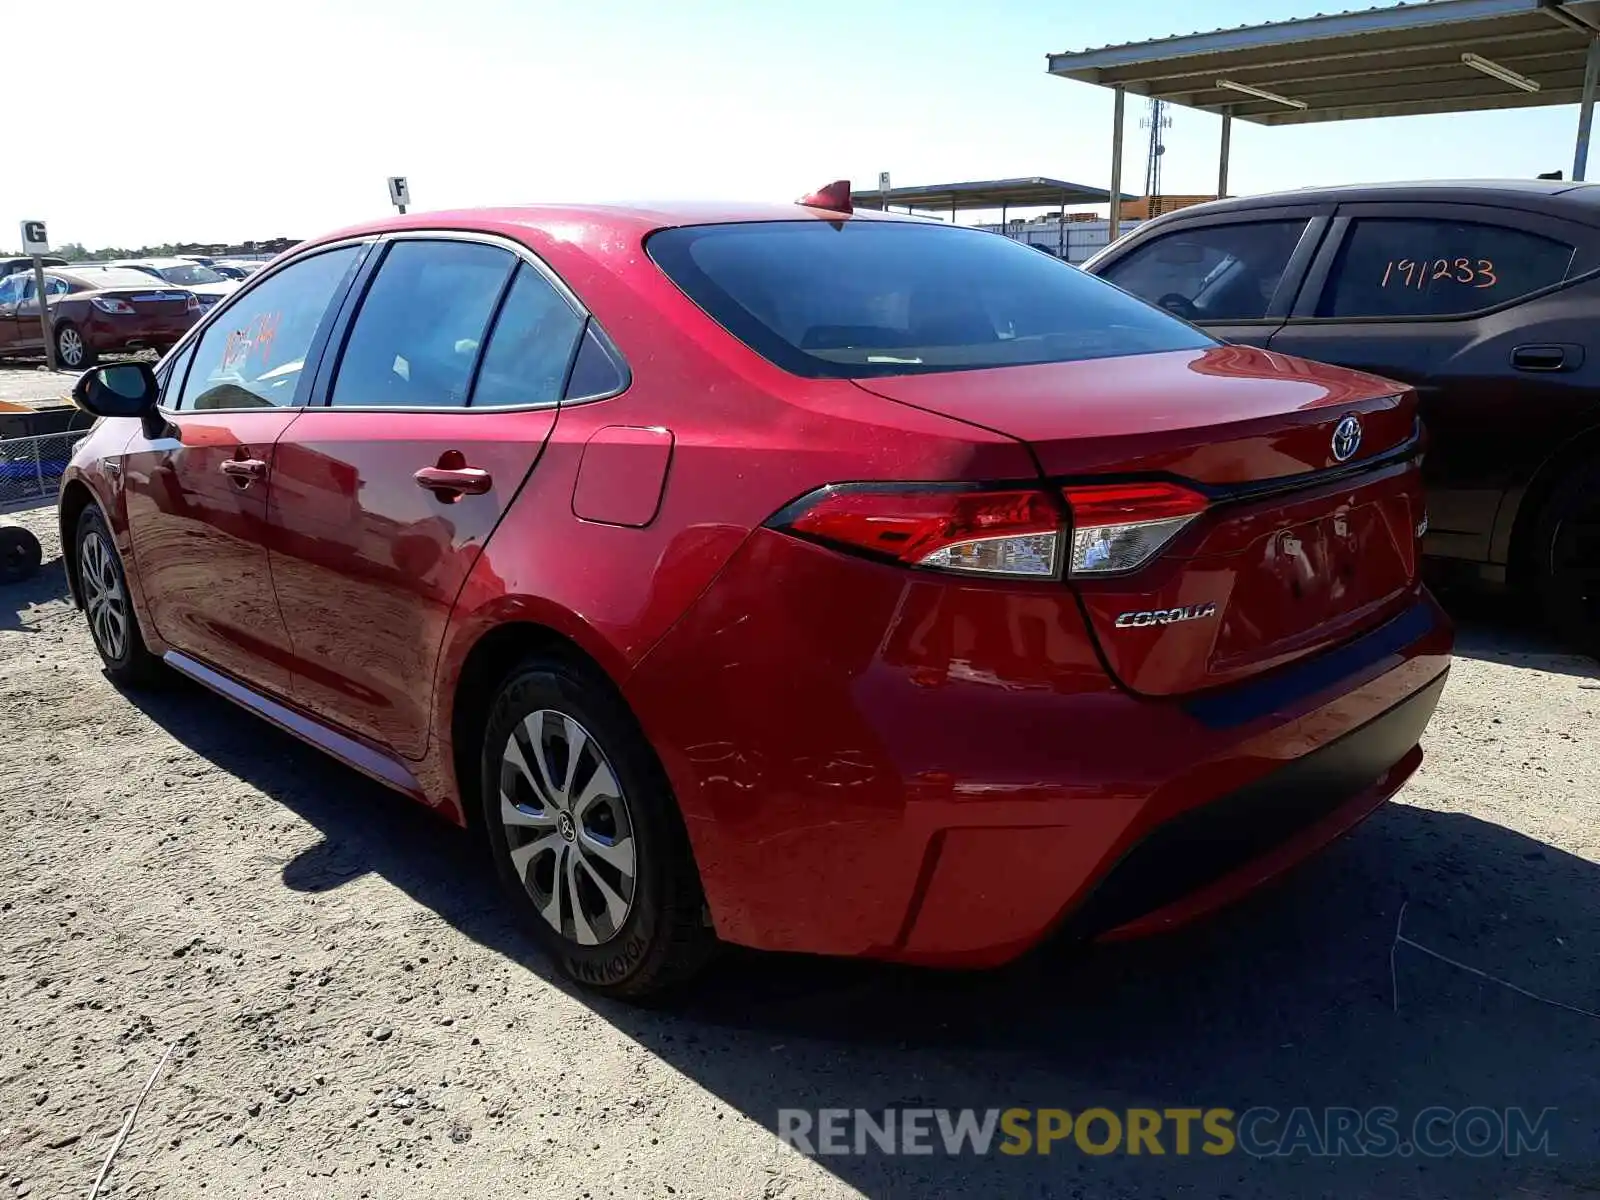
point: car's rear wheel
(1567, 562)
(72, 348)
(585, 833)
(108, 606)
(20, 554)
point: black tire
(73, 351)
(20, 554)
(662, 937)
(1566, 559)
(108, 605)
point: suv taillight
(1119, 527)
(1013, 533)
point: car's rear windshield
(851, 299)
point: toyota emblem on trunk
(1346, 438)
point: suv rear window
(852, 299)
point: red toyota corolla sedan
(816, 581)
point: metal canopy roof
(991, 193)
(1382, 62)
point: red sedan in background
(93, 311)
(816, 581)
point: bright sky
(218, 120)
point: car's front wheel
(104, 590)
(72, 348)
(1567, 562)
(585, 833)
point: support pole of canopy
(1222, 160)
(1114, 225)
(1591, 68)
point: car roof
(153, 262)
(104, 276)
(1579, 201)
(565, 220)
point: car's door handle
(449, 483)
(243, 470)
(1546, 357)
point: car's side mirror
(122, 390)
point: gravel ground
(352, 1017)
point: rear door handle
(1548, 357)
(450, 483)
(243, 470)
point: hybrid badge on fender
(1165, 616)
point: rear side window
(421, 326)
(531, 347)
(851, 299)
(597, 370)
(254, 354)
(1420, 268)
(1220, 273)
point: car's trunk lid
(1301, 547)
(159, 300)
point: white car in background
(208, 286)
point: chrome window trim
(516, 248)
(523, 255)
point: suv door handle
(243, 470)
(1549, 357)
(450, 483)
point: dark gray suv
(1484, 296)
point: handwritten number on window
(1404, 272)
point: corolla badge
(1165, 616)
(1346, 438)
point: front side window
(1425, 268)
(11, 290)
(253, 355)
(418, 334)
(852, 299)
(531, 347)
(171, 373)
(1219, 273)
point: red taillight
(1119, 527)
(990, 533)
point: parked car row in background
(104, 308)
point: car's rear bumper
(883, 763)
(121, 332)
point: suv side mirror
(121, 390)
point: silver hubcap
(70, 343)
(103, 597)
(568, 827)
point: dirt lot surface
(352, 1017)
